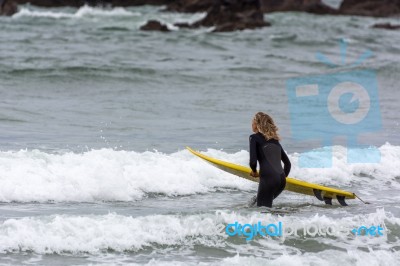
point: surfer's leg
(265, 194)
(281, 186)
(265, 200)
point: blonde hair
(266, 126)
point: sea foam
(101, 233)
(84, 11)
(110, 175)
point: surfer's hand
(254, 174)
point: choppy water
(95, 115)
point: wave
(84, 11)
(136, 18)
(328, 258)
(344, 174)
(110, 175)
(63, 234)
(106, 175)
(77, 71)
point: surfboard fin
(317, 194)
(328, 201)
(341, 200)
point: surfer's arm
(253, 154)
(286, 162)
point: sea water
(95, 116)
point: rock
(8, 7)
(54, 3)
(375, 8)
(386, 26)
(190, 6)
(320, 9)
(79, 3)
(126, 3)
(267, 6)
(231, 15)
(310, 6)
(154, 25)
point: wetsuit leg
(281, 187)
(265, 196)
(266, 190)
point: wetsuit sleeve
(253, 154)
(286, 162)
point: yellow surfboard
(321, 192)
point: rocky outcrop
(53, 3)
(232, 15)
(8, 7)
(126, 3)
(310, 6)
(154, 25)
(374, 8)
(78, 3)
(190, 6)
(386, 26)
(267, 6)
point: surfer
(266, 149)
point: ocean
(96, 114)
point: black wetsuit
(269, 154)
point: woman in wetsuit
(266, 149)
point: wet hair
(266, 126)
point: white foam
(25, 12)
(380, 175)
(93, 234)
(84, 11)
(127, 175)
(107, 175)
(93, 11)
(328, 258)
